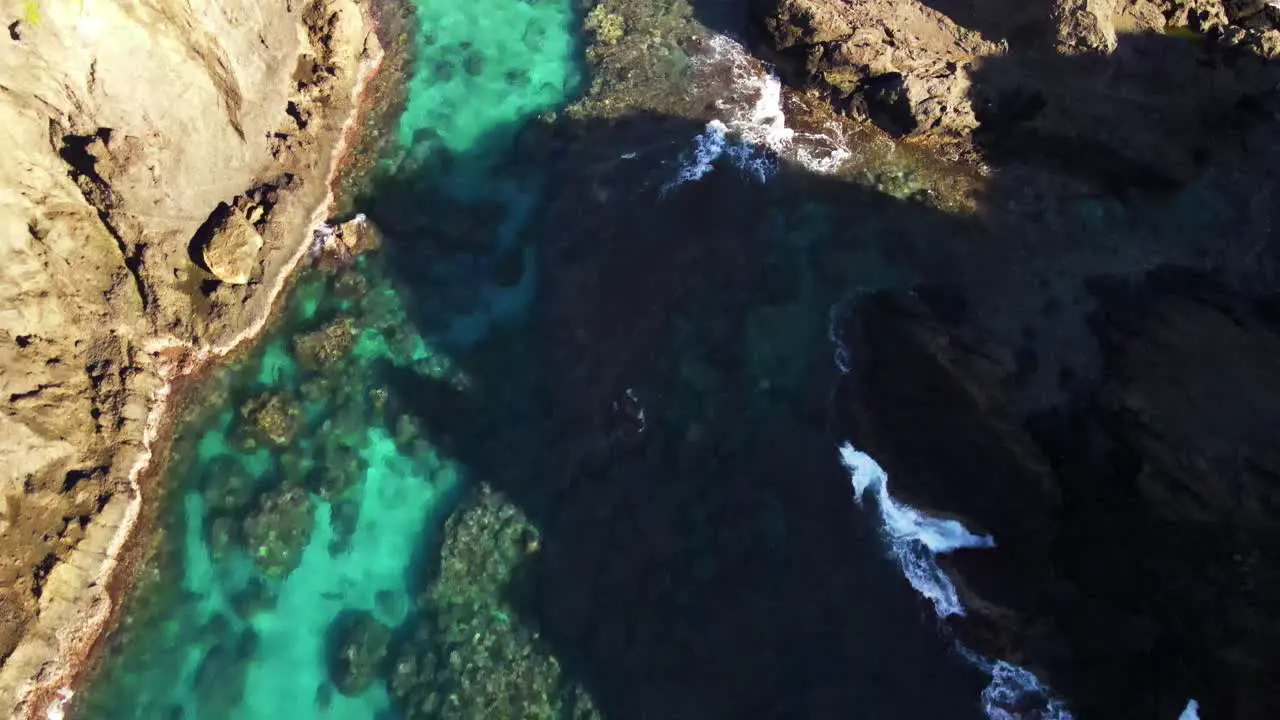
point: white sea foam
(752, 129)
(1015, 693)
(753, 110)
(707, 148)
(834, 319)
(57, 709)
(1191, 711)
(915, 540)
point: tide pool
(306, 498)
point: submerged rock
(358, 650)
(342, 468)
(484, 543)
(255, 597)
(350, 286)
(491, 661)
(321, 349)
(222, 536)
(227, 487)
(278, 530)
(472, 656)
(413, 671)
(271, 418)
(345, 519)
(223, 671)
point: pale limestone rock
(111, 166)
(232, 250)
(1084, 26)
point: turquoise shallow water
(297, 493)
(287, 519)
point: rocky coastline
(1121, 93)
(204, 286)
(1111, 429)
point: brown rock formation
(1129, 90)
(126, 124)
(231, 252)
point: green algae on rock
(359, 650)
(608, 28)
(272, 419)
(320, 349)
(473, 656)
(277, 530)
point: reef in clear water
(472, 654)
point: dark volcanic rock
(1137, 524)
(966, 383)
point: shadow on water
(662, 418)
(661, 407)
(1162, 151)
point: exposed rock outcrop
(1119, 90)
(231, 252)
(126, 124)
(1137, 523)
(901, 64)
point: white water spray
(57, 709)
(915, 540)
(1012, 688)
(753, 131)
(754, 111)
(707, 148)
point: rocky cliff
(163, 161)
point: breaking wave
(915, 540)
(1015, 693)
(713, 144)
(752, 131)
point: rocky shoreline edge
(177, 361)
